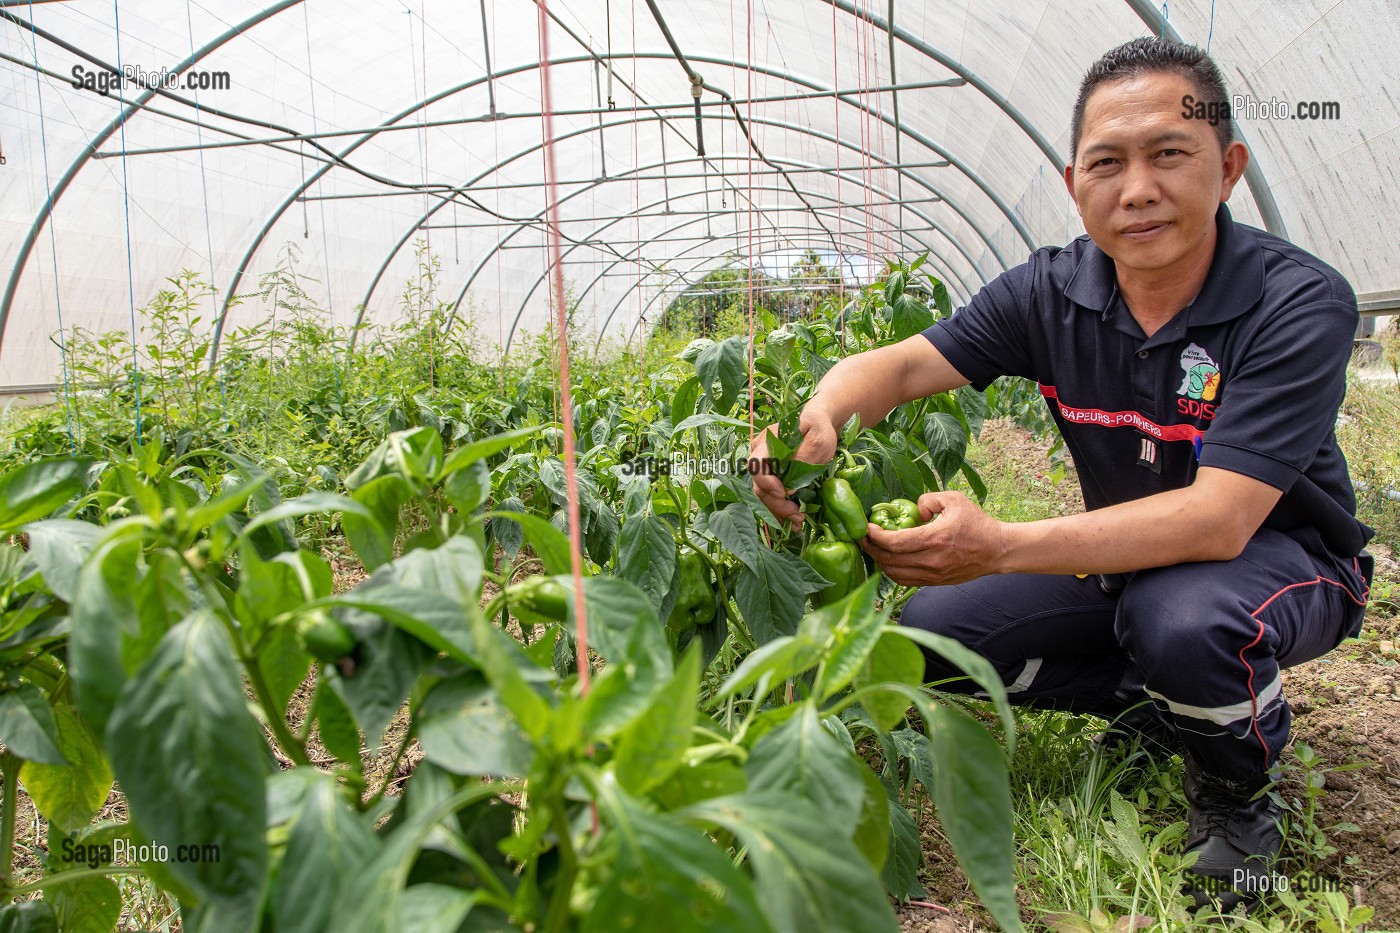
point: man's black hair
(1155, 54)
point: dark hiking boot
(1234, 826)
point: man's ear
(1069, 183)
(1232, 169)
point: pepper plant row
(742, 761)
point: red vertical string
(840, 204)
(748, 60)
(556, 270)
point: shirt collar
(1233, 285)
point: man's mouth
(1146, 230)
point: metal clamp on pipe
(697, 85)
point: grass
(1367, 434)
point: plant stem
(558, 914)
(394, 765)
(9, 764)
(55, 879)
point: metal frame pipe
(929, 144)
(991, 245)
(663, 237)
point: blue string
(321, 206)
(1212, 26)
(53, 241)
(130, 268)
(208, 233)
(1164, 21)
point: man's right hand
(819, 439)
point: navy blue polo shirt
(1247, 378)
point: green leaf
(872, 836)
(466, 489)
(647, 556)
(802, 759)
(509, 534)
(336, 727)
(372, 537)
(893, 660)
(649, 751)
(683, 402)
(854, 632)
(313, 503)
(914, 747)
(974, 408)
(372, 900)
(973, 796)
(328, 845)
(623, 627)
(776, 661)
(92, 905)
(696, 782)
(58, 548)
(974, 481)
(772, 593)
(901, 871)
(104, 643)
(709, 417)
(415, 455)
(36, 489)
(26, 725)
(726, 363)
(435, 908)
(974, 665)
(947, 443)
(503, 670)
(809, 879)
(909, 316)
(734, 526)
(192, 762)
(667, 876)
(463, 728)
(693, 349)
(69, 795)
(550, 544)
(28, 917)
(283, 662)
(479, 450)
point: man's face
(1147, 180)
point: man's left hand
(957, 542)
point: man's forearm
(870, 384)
(1174, 527)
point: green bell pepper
(844, 514)
(840, 564)
(323, 637)
(695, 602)
(896, 515)
(537, 600)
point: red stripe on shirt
(1122, 419)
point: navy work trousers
(1204, 641)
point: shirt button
(1142, 354)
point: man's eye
(1171, 152)
(1102, 162)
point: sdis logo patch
(1201, 384)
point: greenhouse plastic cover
(969, 171)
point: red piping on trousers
(1253, 697)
